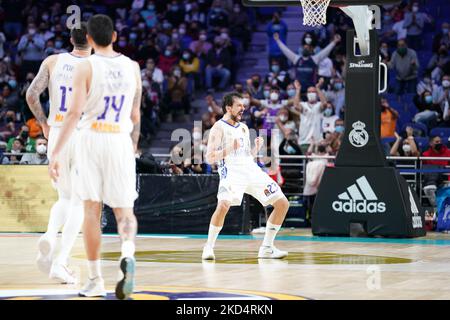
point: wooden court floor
(170, 267)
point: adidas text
(359, 206)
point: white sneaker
(93, 288)
(271, 253)
(63, 274)
(45, 251)
(208, 253)
(125, 286)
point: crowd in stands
(182, 47)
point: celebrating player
(56, 74)
(108, 90)
(229, 146)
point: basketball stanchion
(361, 190)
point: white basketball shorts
(106, 168)
(66, 180)
(250, 179)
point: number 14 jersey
(111, 94)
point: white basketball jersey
(241, 156)
(60, 87)
(110, 98)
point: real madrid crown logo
(358, 125)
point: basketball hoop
(314, 12)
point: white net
(314, 12)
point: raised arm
(39, 84)
(298, 88)
(322, 97)
(325, 52)
(286, 51)
(394, 149)
(136, 111)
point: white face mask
(415, 8)
(41, 149)
(202, 37)
(245, 101)
(308, 40)
(312, 96)
(274, 96)
(210, 109)
(446, 83)
(283, 118)
(406, 148)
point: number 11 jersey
(60, 87)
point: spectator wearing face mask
(277, 77)
(306, 66)
(387, 34)
(438, 62)
(285, 122)
(150, 15)
(389, 118)
(310, 39)
(240, 25)
(443, 99)
(329, 118)
(24, 137)
(177, 93)
(38, 158)
(429, 112)
(277, 27)
(313, 173)
(190, 65)
(427, 84)
(310, 114)
(193, 14)
(152, 72)
(217, 17)
(123, 46)
(405, 147)
(175, 13)
(336, 94)
(31, 50)
(146, 50)
(201, 46)
(9, 127)
(167, 60)
(433, 180)
(442, 37)
(185, 37)
(406, 65)
(384, 52)
(414, 25)
(17, 149)
(256, 87)
(218, 64)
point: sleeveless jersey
(241, 156)
(60, 87)
(306, 72)
(110, 98)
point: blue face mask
(429, 99)
(58, 44)
(291, 92)
(338, 86)
(290, 149)
(266, 94)
(339, 129)
(275, 68)
(174, 8)
(12, 84)
(328, 112)
(445, 31)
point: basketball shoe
(271, 253)
(208, 253)
(124, 287)
(93, 288)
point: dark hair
(40, 137)
(78, 35)
(434, 136)
(321, 148)
(100, 28)
(228, 100)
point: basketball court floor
(170, 267)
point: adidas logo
(416, 219)
(359, 198)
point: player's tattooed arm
(136, 111)
(39, 84)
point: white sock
(70, 232)
(271, 232)
(213, 233)
(58, 216)
(94, 269)
(128, 249)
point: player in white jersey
(108, 91)
(229, 146)
(56, 74)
